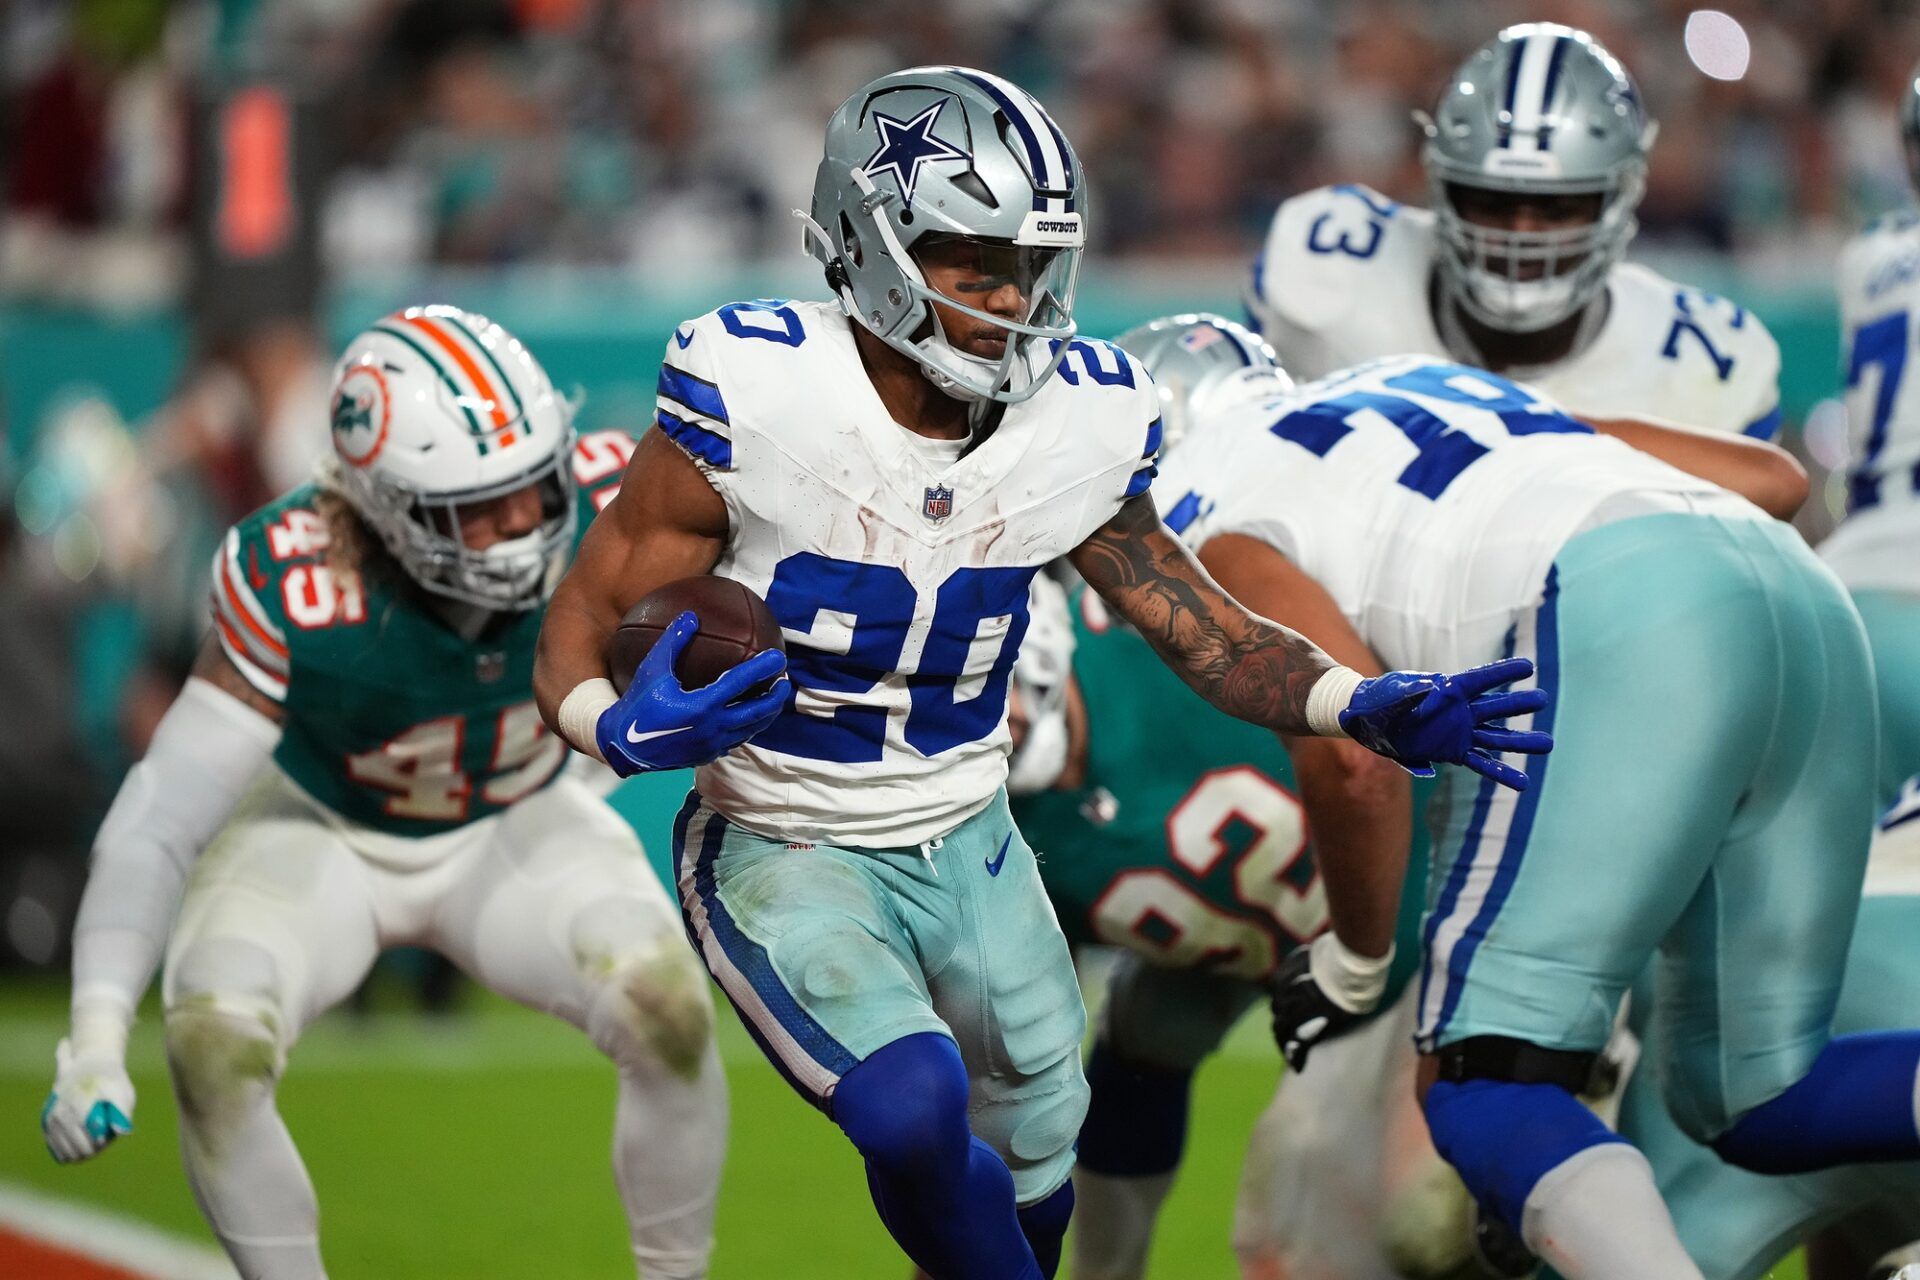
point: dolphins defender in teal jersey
(357, 763)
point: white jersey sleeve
(1673, 353)
(1879, 287)
(900, 580)
(1428, 498)
(1342, 278)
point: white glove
(91, 1103)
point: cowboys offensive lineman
(890, 470)
(1536, 159)
(1873, 550)
(359, 755)
(1450, 513)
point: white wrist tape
(101, 1017)
(1349, 979)
(580, 713)
(1328, 697)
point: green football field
(476, 1145)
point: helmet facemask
(422, 531)
(1045, 276)
(1526, 281)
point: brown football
(735, 624)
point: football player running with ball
(890, 470)
(359, 756)
(1450, 514)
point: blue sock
(1136, 1122)
(1044, 1223)
(1854, 1105)
(945, 1196)
(1502, 1138)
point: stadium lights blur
(1717, 44)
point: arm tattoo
(1241, 663)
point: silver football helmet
(1202, 363)
(953, 153)
(1539, 110)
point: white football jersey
(1428, 498)
(1347, 275)
(900, 580)
(1878, 545)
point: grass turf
(477, 1146)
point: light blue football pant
(1709, 798)
(830, 953)
(1738, 1224)
(1893, 632)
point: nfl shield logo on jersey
(939, 503)
(488, 668)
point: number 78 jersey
(1428, 498)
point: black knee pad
(1517, 1062)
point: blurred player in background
(360, 757)
(1180, 836)
(1876, 550)
(891, 470)
(1536, 158)
(1449, 513)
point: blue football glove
(657, 724)
(1417, 719)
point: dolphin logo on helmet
(435, 408)
(1540, 110)
(951, 152)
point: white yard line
(109, 1238)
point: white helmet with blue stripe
(952, 153)
(1541, 110)
(1202, 363)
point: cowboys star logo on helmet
(1002, 179)
(905, 145)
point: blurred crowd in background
(654, 136)
(230, 165)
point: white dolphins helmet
(435, 408)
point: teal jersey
(393, 720)
(1187, 843)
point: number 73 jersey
(393, 720)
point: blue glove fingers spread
(1491, 766)
(1523, 740)
(1477, 680)
(1498, 706)
(740, 677)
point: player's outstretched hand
(1303, 1014)
(657, 724)
(91, 1104)
(1418, 718)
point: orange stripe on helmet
(467, 366)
